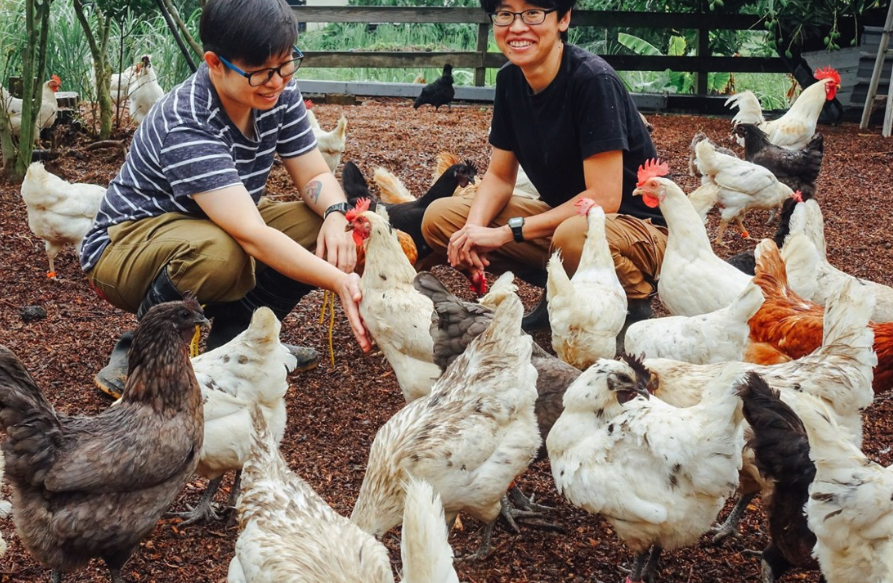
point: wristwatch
(516, 224)
(338, 207)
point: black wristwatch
(338, 207)
(516, 224)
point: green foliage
(669, 81)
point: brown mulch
(334, 411)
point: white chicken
(331, 144)
(693, 280)
(48, 107)
(119, 83)
(742, 186)
(810, 274)
(657, 473)
(850, 506)
(144, 90)
(289, 533)
(59, 212)
(398, 317)
(586, 311)
(719, 336)
(469, 438)
(250, 370)
(795, 128)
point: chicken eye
(624, 378)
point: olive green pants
(637, 246)
(200, 256)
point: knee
(569, 237)
(218, 271)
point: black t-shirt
(586, 110)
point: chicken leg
(730, 526)
(204, 510)
(523, 509)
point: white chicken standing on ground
(795, 128)
(469, 438)
(809, 272)
(398, 317)
(144, 90)
(657, 473)
(586, 311)
(250, 370)
(720, 336)
(59, 212)
(119, 83)
(693, 280)
(289, 533)
(331, 144)
(742, 186)
(46, 117)
(850, 506)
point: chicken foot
(730, 526)
(525, 510)
(204, 510)
(485, 547)
(645, 566)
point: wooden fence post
(480, 73)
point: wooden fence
(480, 59)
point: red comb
(308, 104)
(56, 79)
(584, 205)
(798, 196)
(828, 73)
(361, 207)
(652, 168)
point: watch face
(515, 222)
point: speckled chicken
(289, 533)
(850, 506)
(86, 487)
(586, 311)
(468, 438)
(657, 473)
(249, 370)
(397, 316)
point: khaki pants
(637, 246)
(200, 256)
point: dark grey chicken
(85, 487)
(798, 169)
(781, 449)
(439, 93)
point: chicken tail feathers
(503, 287)
(807, 219)
(31, 425)
(846, 331)
(802, 263)
(746, 304)
(426, 552)
(779, 439)
(558, 282)
(392, 190)
(264, 450)
(771, 275)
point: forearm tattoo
(312, 190)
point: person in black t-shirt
(563, 115)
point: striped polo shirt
(188, 145)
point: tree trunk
(101, 66)
(173, 28)
(175, 15)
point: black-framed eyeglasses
(261, 76)
(532, 16)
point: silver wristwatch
(338, 207)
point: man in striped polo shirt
(187, 212)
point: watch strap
(338, 207)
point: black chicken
(439, 93)
(798, 169)
(85, 487)
(407, 216)
(781, 449)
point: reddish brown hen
(787, 326)
(85, 487)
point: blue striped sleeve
(195, 160)
(295, 135)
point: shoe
(637, 310)
(308, 358)
(538, 318)
(110, 380)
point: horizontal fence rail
(480, 60)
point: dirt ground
(334, 411)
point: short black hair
(250, 31)
(560, 6)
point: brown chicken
(793, 326)
(85, 487)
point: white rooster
(289, 533)
(48, 108)
(719, 336)
(850, 506)
(144, 90)
(586, 311)
(469, 438)
(657, 473)
(809, 272)
(795, 128)
(59, 212)
(693, 280)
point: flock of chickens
(755, 384)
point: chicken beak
(348, 228)
(638, 192)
